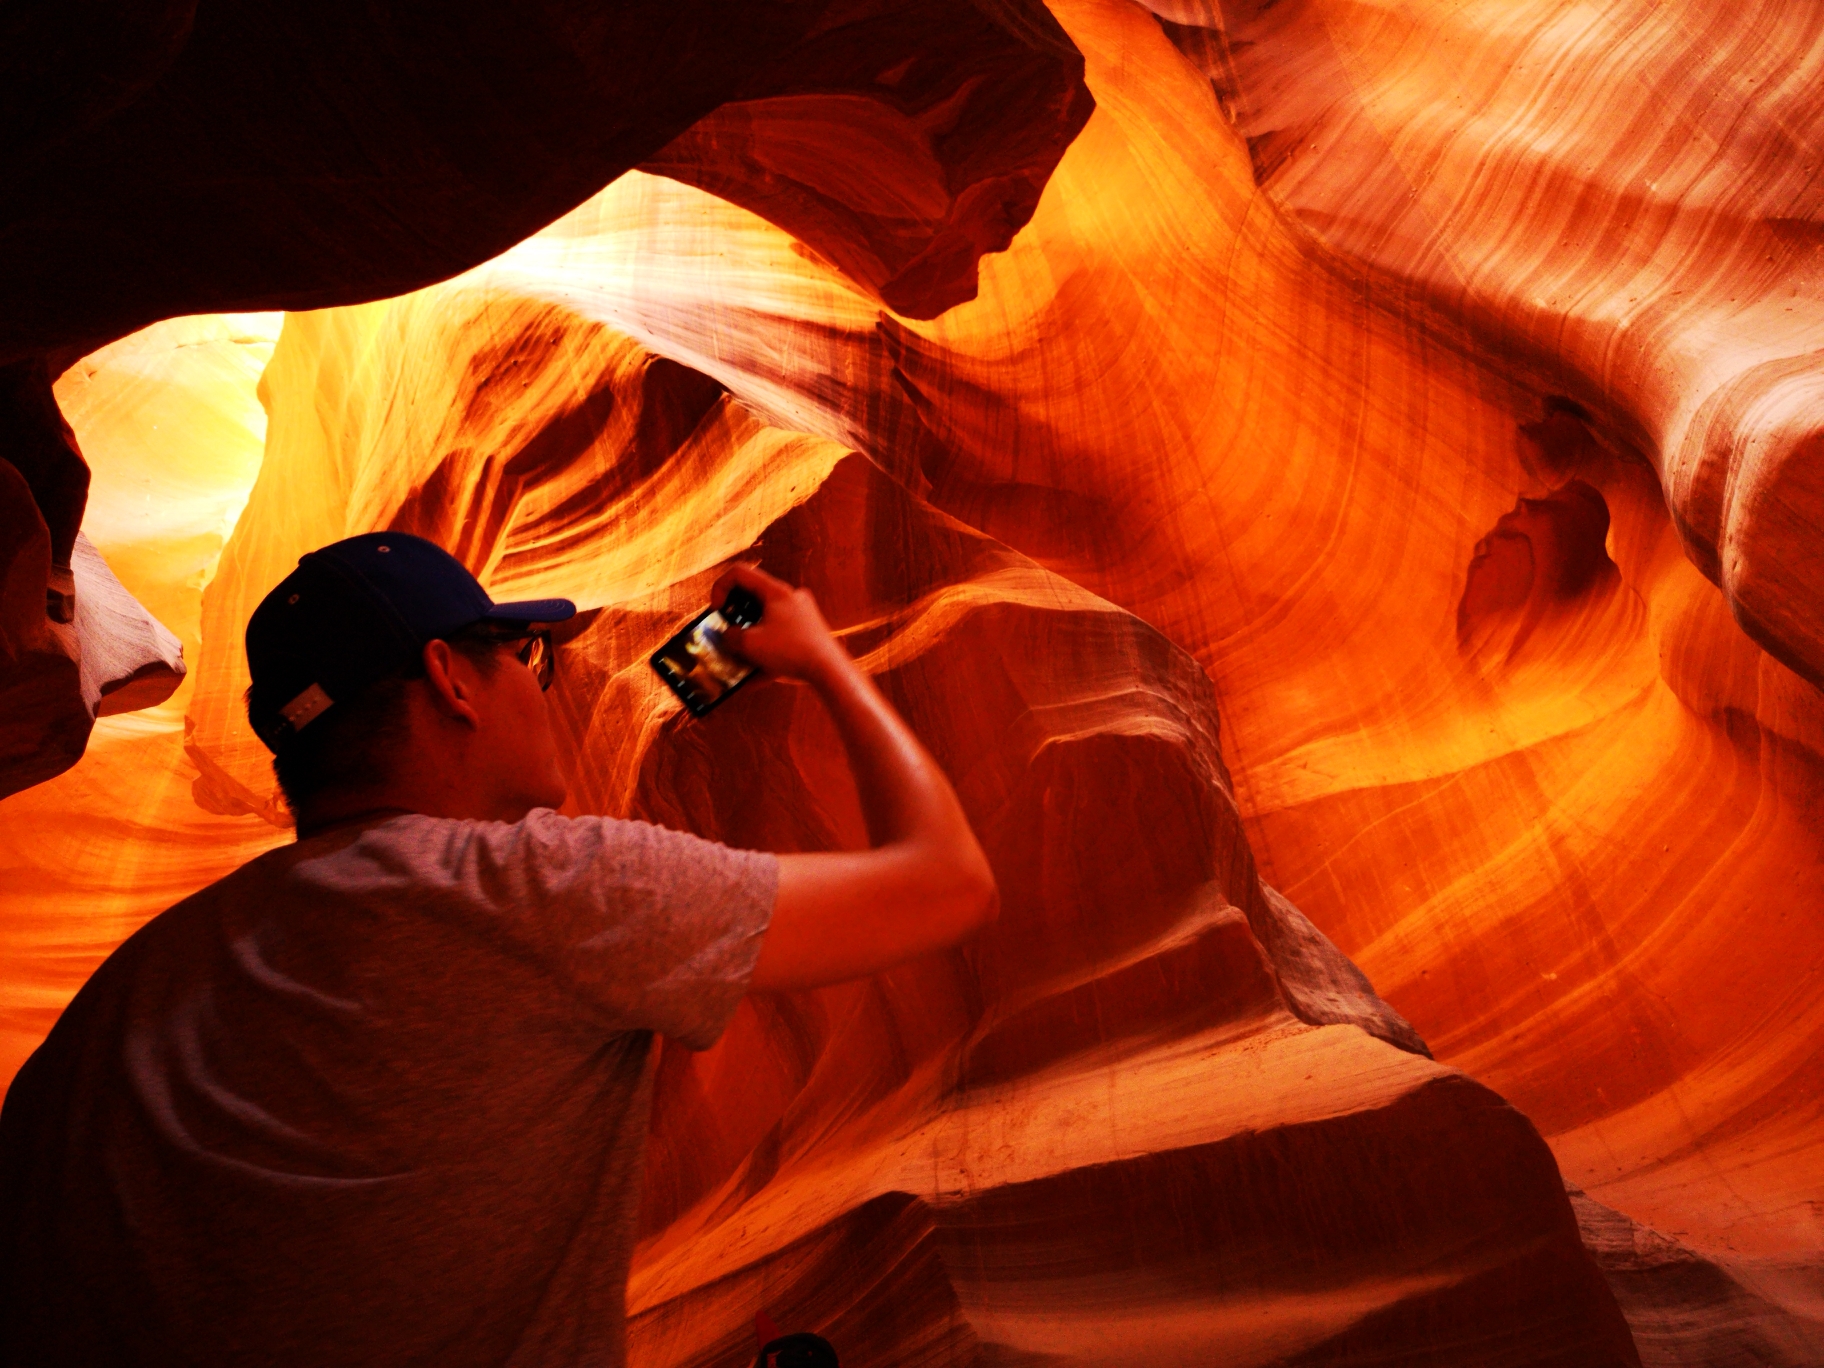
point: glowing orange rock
(901, 1161)
(1570, 825)
(1621, 205)
(1344, 367)
(170, 421)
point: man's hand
(925, 885)
(791, 640)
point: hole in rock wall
(1544, 560)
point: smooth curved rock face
(950, 1126)
(1482, 718)
(1620, 201)
(171, 422)
(1525, 770)
(1690, 1312)
(167, 412)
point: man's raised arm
(925, 884)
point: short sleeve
(653, 929)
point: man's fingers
(751, 577)
(731, 638)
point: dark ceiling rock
(901, 149)
(295, 156)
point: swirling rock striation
(1488, 724)
(1345, 377)
(212, 156)
(1623, 203)
(1117, 1123)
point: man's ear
(452, 680)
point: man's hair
(356, 742)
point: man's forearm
(924, 884)
(904, 795)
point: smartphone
(693, 662)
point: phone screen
(693, 662)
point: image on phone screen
(693, 662)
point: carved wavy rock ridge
(1354, 505)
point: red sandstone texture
(1253, 519)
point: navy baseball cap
(354, 612)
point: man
(380, 1096)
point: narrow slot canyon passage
(1337, 489)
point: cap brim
(532, 610)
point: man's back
(378, 1097)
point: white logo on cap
(306, 707)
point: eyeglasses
(538, 655)
(534, 650)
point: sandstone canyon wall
(164, 159)
(1357, 494)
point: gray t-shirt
(379, 1097)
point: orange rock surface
(1321, 488)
